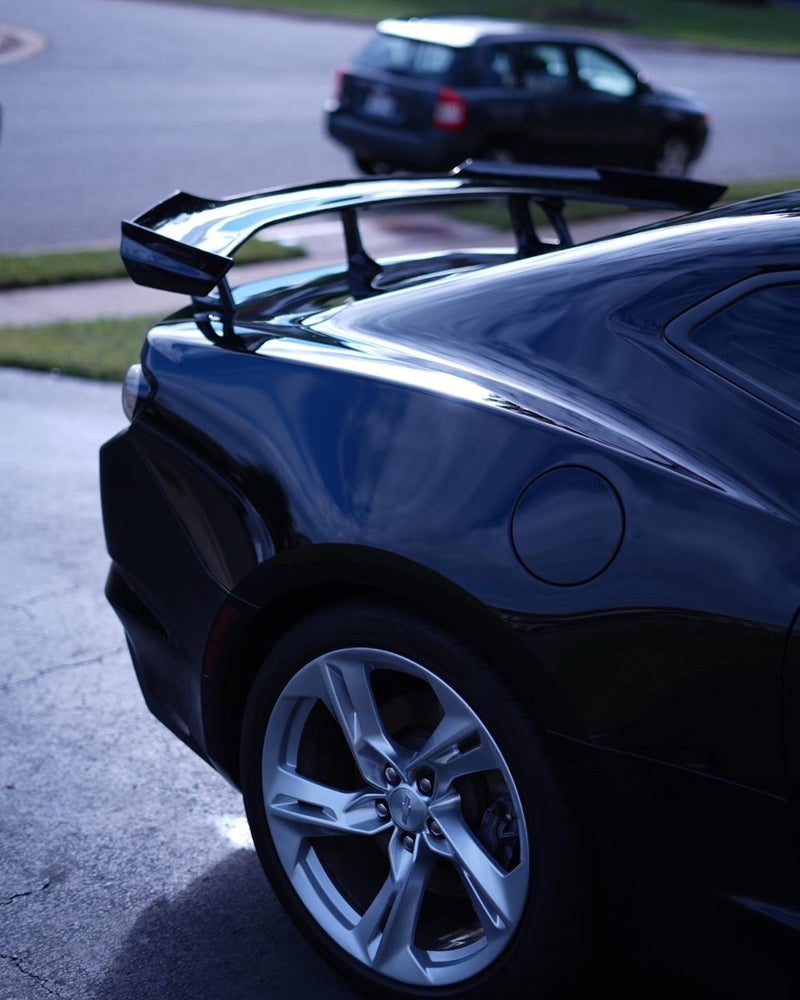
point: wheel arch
(290, 587)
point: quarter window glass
(759, 336)
(432, 60)
(403, 55)
(602, 72)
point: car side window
(502, 70)
(600, 71)
(543, 67)
(528, 66)
(757, 339)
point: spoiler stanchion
(361, 268)
(206, 307)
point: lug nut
(392, 775)
(434, 828)
(408, 842)
(382, 809)
(425, 786)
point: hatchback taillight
(450, 110)
(338, 84)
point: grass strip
(731, 25)
(98, 349)
(495, 214)
(67, 266)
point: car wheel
(373, 167)
(405, 811)
(501, 152)
(673, 156)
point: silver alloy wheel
(408, 843)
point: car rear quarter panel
(691, 611)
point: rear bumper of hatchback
(428, 150)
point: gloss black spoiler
(186, 244)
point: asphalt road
(125, 866)
(132, 99)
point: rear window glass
(404, 55)
(758, 336)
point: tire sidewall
(545, 945)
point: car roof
(464, 32)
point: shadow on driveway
(224, 938)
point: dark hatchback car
(427, 93)
(479, 572)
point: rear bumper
(429, 150)
(153, 561)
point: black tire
(373, 168)
(481, 825)
(673, 156)
(503, 151)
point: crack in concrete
(16, 896)
(57, 667)
(22, 895)
(16, 961)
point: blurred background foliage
(755, 25)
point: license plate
(380, 105)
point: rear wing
(186, 244)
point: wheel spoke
(303, 808)
(350, 698)
(457, 746)
(341, 681)
(498, 896)
(387, 929)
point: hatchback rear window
(404, 55)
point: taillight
(136, 392)
(450, 111)
(338, 83)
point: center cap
(407, 809)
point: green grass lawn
(495, 215)
(101, 349)
(65, 266)
(748, 26)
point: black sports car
(479, 572)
